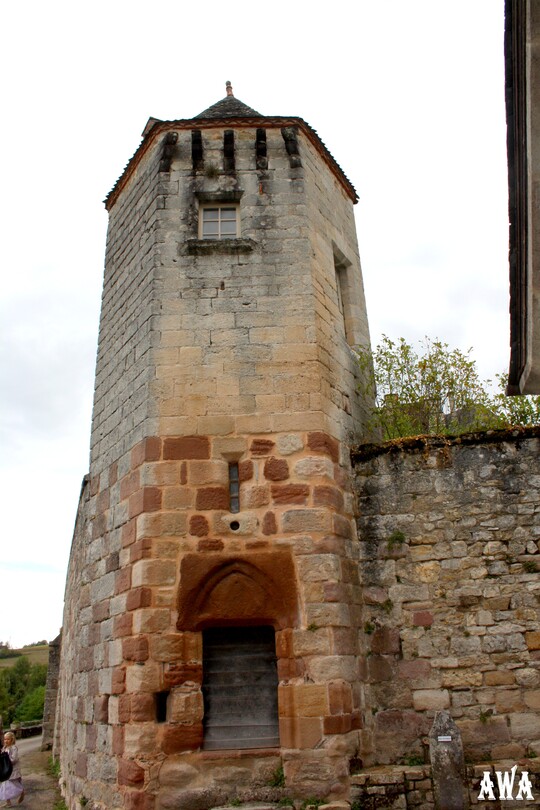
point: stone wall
(51, 693)
(450, 535)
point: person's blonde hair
(11, 736)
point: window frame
(219, 206)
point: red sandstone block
(141, 550)
(356, 720)
(261, 447)
(182, 738)
(94, 635)
(212, 498)
(186, 447)
(92, 688)
(385, 641)
(118, 740)
(90, 736)
(210, 544)
(136, 800)
(379, 669)
(334, 592)
(183, 473)
(123, 625)
(147, 499)
(328, 496)
(113, 473)
(112, 563)
(118, 681)
(124, 708)
(100, 612)
(129, 533)
(103, 500)
(129, 773)
(289, 668)
(122, 580)
(300, 732)
(423, 618)
(340, 697)
(94, 485)
(323, 443)
(255, 544)
(143, 708)
(198, 526)
(138, 598)
(129, 484)
(177, 674)
(338, 724)
(101, 709)
(135, 648)
(148, 449)
(269, 523)
(342, 526)
(86, 660)
(349, 570)
(290, 493)
(284, 644)
(99, 526)
(81, 766)
(276, 469)
(245, 471)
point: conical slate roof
(229, 107)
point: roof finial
(228, 87)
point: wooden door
(240, 688)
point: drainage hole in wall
(234, 525)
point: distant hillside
(36, 655)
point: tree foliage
(436, 390)
(19, 685)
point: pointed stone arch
(254, 589)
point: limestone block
(431, 699)
(307, 520)
(153, 572)
(178, 773)
(461, 677)
(533, 639)
(303, 700)
(144, 677)
(499, 677)
(319, 567)
(527, 677)
(332, 667)
(185, 706)
(289, 443)
(151, 620)
(311, 642)
(139, 739)
(328, 614)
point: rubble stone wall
(450, 572)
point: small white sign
(444, 738)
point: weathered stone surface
(447, 764)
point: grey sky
(408, 97)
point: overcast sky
(408, 97)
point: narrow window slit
(228, 150)
(234, 487)
(160, 699)
(196, 149)
(260, 149)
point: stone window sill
(231, 246)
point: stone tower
(210, 632)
